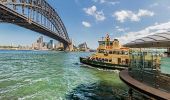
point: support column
(130, 94)
(71, 47)
(168, 52)
(66, 47)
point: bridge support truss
(36, 15)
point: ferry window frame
(114, 52)
(101, 51)
(106, 60)
(101, 43)
(110, 52)
(111, 43)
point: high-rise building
(59, 46)
(38, 45)
(41, 39)
(50, 45)
(41, 45)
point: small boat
(110, 55)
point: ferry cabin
(111, 52)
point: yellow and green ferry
(110, 55)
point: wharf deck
(143, 88)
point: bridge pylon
(68, 47)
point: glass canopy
(149, 62)
(156, 40)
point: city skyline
(88, 21)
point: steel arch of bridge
(36, 15)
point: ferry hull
(102, 64)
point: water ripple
(32, 75)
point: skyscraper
(50, 44)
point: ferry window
(101, 51)
(111, 44)
(123, 52)
(115, 52)
(101, 43)
(119, 60)
(110, 60)
(106, 60)
(98, 51)
(127, 61)
(126, 53)
(102, 59)
(110, 52)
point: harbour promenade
(143, 88)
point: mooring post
(130, 94)
(168, 52)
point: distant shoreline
(35, 50)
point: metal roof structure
(158, 40)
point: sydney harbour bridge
(36, 15)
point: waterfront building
(41, 45)
(8, 47)
(24, 47)
(50, 45)
(38, 45)
(83, 47)
(146, 74)
(59, 46)
(75, 48)
(44, 47)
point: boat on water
(110, 55)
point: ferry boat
(110, 55)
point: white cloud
(113, 2)
(127, 14)
(130, 36)
(119, 29)
(153, 5)
(143, 12)
(98, 15)
(86, 24)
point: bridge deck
(10, 16)
(150, 91)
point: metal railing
(145, 67)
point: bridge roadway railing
(40, 12)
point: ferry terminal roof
(158, 40)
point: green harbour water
(51, 75)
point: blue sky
(89, 20)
